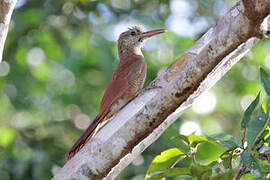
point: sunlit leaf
(249, 176)
(164, 161)
(249, 110)
(194, 139)
(265, 107)
(172, 172)
(266, 135)
(208, 152)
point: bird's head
(134, 38)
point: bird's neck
(126, 53)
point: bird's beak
(153, 33)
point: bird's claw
(150, 87)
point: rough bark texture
(144, 119)
(6, 9)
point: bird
(126, 82)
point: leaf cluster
(221, 156)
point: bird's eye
(133, 33)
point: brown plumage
(127, 80)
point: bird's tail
(85, 137)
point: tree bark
(6, 9)
(147, 116)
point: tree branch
(264, 157)
(6, 9)
(240, 172)
(147, 116)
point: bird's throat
(129, 52)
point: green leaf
(265, 107)
(172, 172)
(248, 112)
(228, 158)
(227, 162)
(248, 176)
(265, 165)
(265, 81)
(198, 170)
(208, 152)
(256, 127)
(164, 161)
(226, 140)
(195, 139)
(252, 163)
(207, 174)
(182, 137)
(186, 162)
(227, 175)
(182, 143)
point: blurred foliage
(220, 156)
(60, 55)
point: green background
(60, 55)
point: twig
(256, 143)
(259, 148)
(240, 172)
(264, 156)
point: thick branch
(6, 9)
(144, 119)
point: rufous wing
(124, 74)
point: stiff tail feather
(85, 137)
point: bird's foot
(152, 87)
(149, 87)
